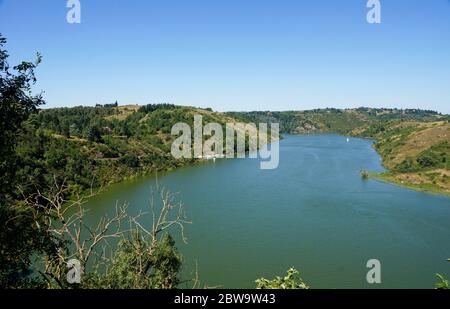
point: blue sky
(236, 54)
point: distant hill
(414, 144)
(341, 121)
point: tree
(94, 134)
(16, 104)
(426, 161)
(130, 160)
(65, 129)
(146, 257)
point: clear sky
(236, 54)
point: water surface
(314, 213)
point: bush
(136, 265)
(292, 280)
(130, 160)
(427, 161)
(94, 135)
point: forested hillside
(414, 144)
(92, 146)
(332, 120)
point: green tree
(130, 160)
(94, 134)
(20, 235)
(138, 265)
(442, 284)
(146, 256)
(16, 104)
(65, 129)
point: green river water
(314, 212)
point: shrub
(130, 160)
(292, 280)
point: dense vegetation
(47, 159)
(342, 121)
(94, 146)
(19, 237)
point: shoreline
(389, 178)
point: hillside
(331, 120)
(416, 154)
(94, 146)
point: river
(314, 212)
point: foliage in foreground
(20, 237)
(146, 255)
(43, 219)
(134, 266)
(292, 280)
(442, 284)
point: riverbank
(415, 154)
(399, 180)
